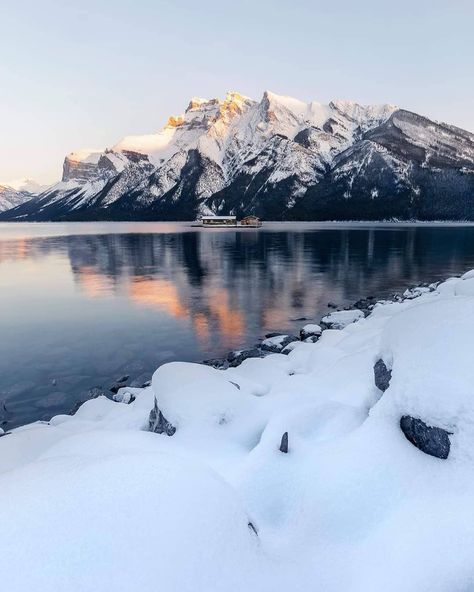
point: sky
(85, 73)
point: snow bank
(95, 502)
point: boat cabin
(219, 221)
(251, 221)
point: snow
(94, 502)
(342, 318)
(312, 328)
(86, 155)
(24, 184)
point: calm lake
(82, 304)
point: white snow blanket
(94, 503)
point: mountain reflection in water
(83, 304)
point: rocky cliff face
(278, 158)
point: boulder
(235, 358)
(430, 440)
(310, 330)
(382, 375)
(341, 318)
(157, 422)
(120, 383)
(217, 363)
(284, 443)
(124, 395)
(276, 343)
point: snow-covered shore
(374, 492)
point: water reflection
(80, 309)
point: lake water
(82, 304)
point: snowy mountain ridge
(18, 191)
(280, 158)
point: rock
(332, 305)
(382, 375)
(284, 443)
(430, 440)
(157, 422)
(252, 528)
(217, 363)
(290, 347)
(276, 343)
(120, 383)
(341, 318)
(235, 358)
(237, 386)
(272, 334)
(364, 304)
(124, 395)
(310, 330)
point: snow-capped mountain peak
(27, 185)
(275, 157)
(16, 192)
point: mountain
(279, 158)
(14, 193)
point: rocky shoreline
(337, 318)
(121, 389)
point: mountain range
(14, 193)
(278, 158)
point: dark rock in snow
(252, 528)
(275, 345)
(217, 363)
(235, 358)
(120, 383)
(272, 334)
(364, 304)
(124, 396)
(430, 440)
(237, 386)
(310, 330)
(158, 423)
(284, 443)
(332, 305)
(382, 375)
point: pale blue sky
(85, 73)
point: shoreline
(313, 466)
(122, 389)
